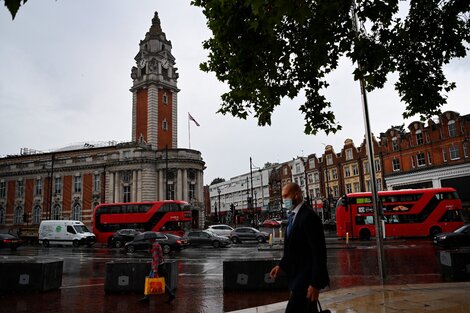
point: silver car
(220, 229)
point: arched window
(37, 214)
(2, 215)
(56, 212)
(18, 215)
(77, 212)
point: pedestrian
(304, 258)
(157, 267)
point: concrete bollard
(347, 238)
(270, 239)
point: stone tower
(154, 91)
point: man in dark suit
(304, 259)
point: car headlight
(442, 238)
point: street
(200, 285)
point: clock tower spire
(154, 91)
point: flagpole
(189, 131)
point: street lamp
(216, 215)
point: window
(57, 185)
(311, 163)
(171, 191)
(126, 193)
(355, 170)
(413, 162)
(126, 154)
(18, 215)
(56, 214)
(77, 184)
(2, 215)
(429, 158)
(420, 159)
(19, 188)
(347, 171)
(285, 171)
(348, 188)
(379, 184)
(329, 159)
(3, 187)
(368, 185)
(454, 152)
(396, 165)
(356, 187)
(77, 212)
(419, 137)
(334, 173)
(465, 153)
(165, 125)
(71, 230)
(38, 187)
(37, 214)
(444, 157)
(316, 177)
(310, 178)
(96, 183)
(394, 144)
(452, 129)
(297, 168)
(328, 175)
(302, 181)
(165, 98)
(317, 193)
(378, 168)
(335, 191)
(366, 167)
(192, 191)
(349, 154)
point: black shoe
(170, 298)
(144, 300)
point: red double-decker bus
(171, 216)
(407, 213)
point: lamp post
(216, 215)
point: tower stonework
(154, 101)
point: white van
(65, 232)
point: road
(200, 286)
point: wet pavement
(200, 284)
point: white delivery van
(65, 232)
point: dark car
(240, 234)
(458, 238)
(119, 238)
(9, 241)
(169, 242)
(207, 238)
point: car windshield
(461, 229)
(81, 229)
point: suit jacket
(304, 259)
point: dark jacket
(304, 259)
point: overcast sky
(65, 79)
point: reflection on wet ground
(200, 285)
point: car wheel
(130, 249)
(235, 240)
(45, 243)
(166, 249)
(76, 244)
(118, 244)
(260, 239)
(216, 244)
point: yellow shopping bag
(154, 285)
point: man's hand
(275, 272)
(312, 293)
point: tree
(266, 50)
(217, 180)
(13, 6)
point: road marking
(81, 286)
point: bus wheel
(364, 234)
(76, 244)
(45, 243)
(434, 231)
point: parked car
(458, 238)
(220, 229)
(207, 238)
(271, 223)
(119, 238)
(240, 234)
(9, 241)
(169, 242)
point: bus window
(451, 216)
(365, 220)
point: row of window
(422, 159)
(56, 214)
(57, 188)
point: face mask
(287, 203)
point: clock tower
(154, 91)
